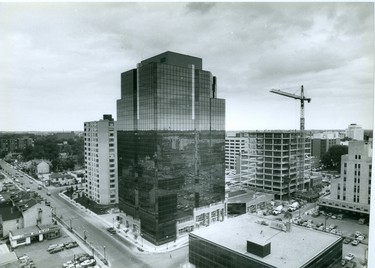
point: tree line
(51, 148)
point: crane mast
(301, 143)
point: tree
(332, 159)
(288, 215)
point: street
(119, 252)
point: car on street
(343, 262)
(349, 256)
(111, 230)
(355, 242)
(39, 187)
(332, 226)
(347, 240)
(48, 193)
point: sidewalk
(144, 246)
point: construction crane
(302, 98)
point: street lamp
(104, 253)
(167, 242)
(142, 239)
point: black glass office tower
(171, 140)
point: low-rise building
(241, 202)
(26, 235)
(23, 210)
(8, 259)
(250, 241)
(61, 179)
(42, 168)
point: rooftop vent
(258, 249)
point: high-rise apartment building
(275, 162)
(351, 191)
(234, 145)
(355, 132)
(101, 160)
(171, 139)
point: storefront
(28, 235)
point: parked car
(351, 264)
(347, 240)
(355, 242)
(87, 263)
(349, 256)
(361, 237)
(53, 246)
(72, 244)
(357, 233)
(332, 226)
(57, 249)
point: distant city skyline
(61, 62)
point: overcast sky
(60, 64)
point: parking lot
(38, 253)
(345, 227)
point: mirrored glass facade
(171, 139)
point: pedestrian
(170, 256)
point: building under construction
(274, 163)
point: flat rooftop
(249, 197)
(288, 249)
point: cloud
(72, 54)
(200, 7)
